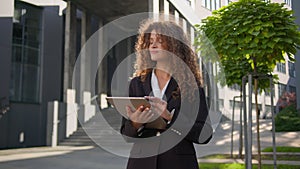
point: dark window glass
(281, 89)
(292, 71)
(25, 69)
(281, 67)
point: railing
(4, 108)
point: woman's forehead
(156, 34)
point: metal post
(245, 120)
(273, 123)
(232, 124)
(232, 127)
(241, 127)
(250, 122)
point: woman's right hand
(140, 116)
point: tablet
(120, 103)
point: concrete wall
(5, 62)
(296, 8)
(25, 124)
(52, 61)
(6, 23)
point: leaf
(245, 29)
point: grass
(288, 119)
(263, 157)
(282, 149)
(242, 166)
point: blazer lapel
(147, 85)
(170, 88)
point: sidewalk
(93, 157)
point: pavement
(93, 157)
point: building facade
(41, 41)
(31, 45)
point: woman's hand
(140, 116)
(159, 106)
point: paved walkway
(92, 157)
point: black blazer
(180, 156)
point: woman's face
(157, 47)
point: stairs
(96, 130)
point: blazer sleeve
(127, 128)
(199, 131)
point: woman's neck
(162, 71)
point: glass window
(281, 67)
(292, 89)
(288, 2)
(281, 89)
(218, 4)
(213, 5)
(292, 71)
(226, 2)
(208, 4)
(25, 69)
(203, 3)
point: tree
(249, 36)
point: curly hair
(178, 45)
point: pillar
(85, 64)
(70, 46)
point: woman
(165, 81)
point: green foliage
(221, 166)
(282, 149)
(288, 119)
(248, 36)
(284, 157)
(242, 166)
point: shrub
(288, 119)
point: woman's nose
(154, 44)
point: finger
(145, 112)
(128, 111)
(140, 109)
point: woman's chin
(158, 58)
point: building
(296, 8)
(31, 45)
(41, 41)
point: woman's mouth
(154, 51)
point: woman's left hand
(159, 106)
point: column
(102, 69)
(70, 46)
(166, 10)
(85, 64)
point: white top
(156, 90)
(155, 86)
